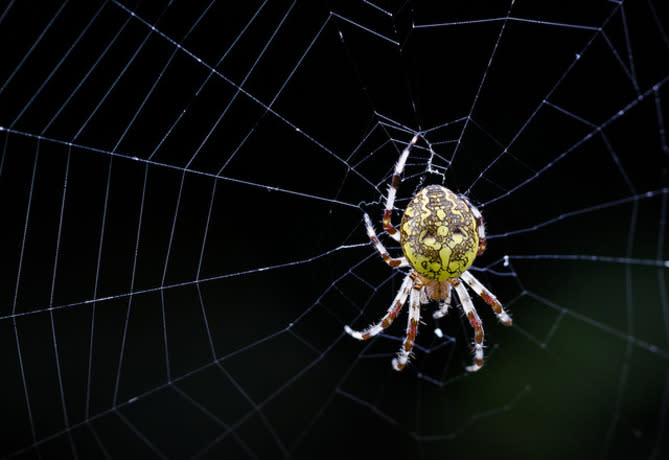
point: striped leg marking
(480, 225)
(412, 329)
(488, 296)
(393, 262)
(392, 190)
(475, 322)
(389, 317)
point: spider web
(182, 188)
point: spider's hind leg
(480, 227)
(393, 262)
(412, 329)
(475, 322)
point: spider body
(440, 235)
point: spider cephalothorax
(440, 235)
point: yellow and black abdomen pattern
(439, 234)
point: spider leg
(444, 305)
(488, 296)
(412, 329)
(424, 298)
(475, 322)
(480, 228)
(392, 190)
(390, 315)
(393, 262)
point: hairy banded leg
(475, 322)
(488, 296)
(390, 315)
(393, 262)
(480, 225)
(412, 329)
(392, 190)
(444, 305)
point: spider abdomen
(439, 234)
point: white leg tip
(478, 359)
(473, 368)
(505, 319)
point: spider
(440, 234)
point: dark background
(157, 161)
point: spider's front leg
(392, 190)
(390, 315)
